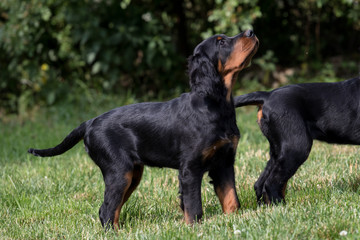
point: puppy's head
(224, 57)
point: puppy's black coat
(194, 133)
(291, 117)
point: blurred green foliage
(74, 50)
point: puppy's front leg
(190, 185)
(223, 179)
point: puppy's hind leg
(293, 154)
(118, 181)
(137, 174)
(259, 184)
(181, 197)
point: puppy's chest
(222, 147)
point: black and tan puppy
(194, 133)
(291, 117)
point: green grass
(59, 198)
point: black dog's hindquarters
(194, 133)
(291, 117)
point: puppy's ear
(204, 77)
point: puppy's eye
(220, 41)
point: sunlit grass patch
(59, 197)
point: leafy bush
(52, 51)
(54, 47)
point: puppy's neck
(206, 82)
(215, 91)
(228, 77)
(229, 81)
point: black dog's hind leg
(190, 195)
(295, 144)
(116, 185)
(136, 178)
(121, 177)
(181, 197)
(223, 179)
(283, 169)
(259, 184)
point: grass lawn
(59, 197)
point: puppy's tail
(254, 98)
(70, 141)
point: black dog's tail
(70, 140)
(254, 98)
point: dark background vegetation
(75, 51)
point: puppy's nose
(249, 33)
